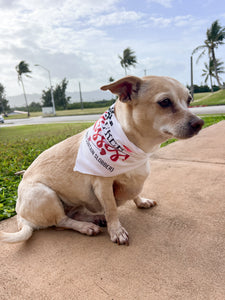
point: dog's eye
(165, 103)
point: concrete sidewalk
(177, 249)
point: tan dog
(150, 110)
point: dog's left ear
(126, 88)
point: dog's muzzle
(196, 125)
(188, 128)
(191, 128)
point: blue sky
(81, 39)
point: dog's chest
(129, 185)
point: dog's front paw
(119, 236)
(144, 203)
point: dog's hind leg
(96, 219)
(83, 227)
(39, 204)
(83, 214)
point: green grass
(86, 111)
(210, 120)
(199, 96)
(217, 98)
(20, 145)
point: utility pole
(192, 85)
(51, 89)
(145, 72)
(81, 100)
(52, 96)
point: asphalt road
(91, 118)
(219, 109)
(48, 120)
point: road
(211, 110)
(48, 120)
(91, 118)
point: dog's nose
(197, 124)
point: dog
(53, 192)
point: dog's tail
(24, 234)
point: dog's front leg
(103, 188)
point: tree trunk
(1, 100)
(81, 99)
(28, 112)
(210, 76)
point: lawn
(20, 145)
(199, 96)
(217, 98)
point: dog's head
(157, 104)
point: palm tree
(23, 68)
(215, 36)
(128, 59)
(220, 67)
(209, 71)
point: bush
(203, 88)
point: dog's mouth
(167, 133)
(185, 131)
(181, 135)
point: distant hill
(98, 95)
(17, 101)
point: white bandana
(106, 151)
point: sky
(81, 40)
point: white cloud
(56, 38)
(116, 18)
(183, 20)
(81, 40)
(160, 21)
(177, 21)
(165, 3)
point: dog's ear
(126, 88)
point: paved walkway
(177, 249)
